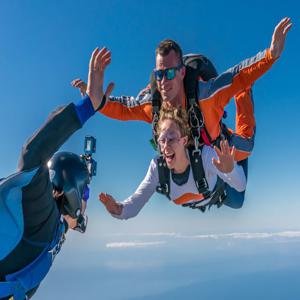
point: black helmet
(68, 173)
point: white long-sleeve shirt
(185, 193)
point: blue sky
(46, 44)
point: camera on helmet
(89, 150)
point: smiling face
(172, 144)
(170, 89)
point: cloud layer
(134, 244)
(172, 235)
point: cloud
(282, 236)
(134, 244)
(235, 235)
(251, 235)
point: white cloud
(283, 236)
(252, 235)
(235, 235)
(134, 244)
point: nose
(164, 79)
(166, 145)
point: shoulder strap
(164, 177)
(197, 66)
(156, 104)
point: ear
(183, 71)
(185, 140)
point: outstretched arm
(62, 123)
(130, 207)
(123, 108)
(243, 75)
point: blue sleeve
(84, 109)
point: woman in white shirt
(173, 139)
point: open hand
(225, 161)
(278, 38)
(80, 84)
(100, 59)
(111, 204)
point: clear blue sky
(46, 44)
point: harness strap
(164, 177)
(198, 171)
(218, 196)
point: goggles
(169, 73)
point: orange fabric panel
(212, 115)
(244, 121)
(188, 197)
(120, 112)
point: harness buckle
(202, 184)
(222, 197)
(196, 150)
(194, 120)
(163, 189)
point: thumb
(109, 89)
(215, 162)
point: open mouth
(169, 157)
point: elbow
(235, 198)
(28, 159)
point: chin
(171, 165)
(167, 96)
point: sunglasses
(169, 73)
(168, 138)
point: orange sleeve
(125, 108)
(244, 75)
(117, 110)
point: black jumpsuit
(39, 207)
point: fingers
(232, 152)
(92, 59)
(104, 198)
(224, 148)
(283, 26)
(219, 153)
(102, 59)
(109, 89)
(76, 82)
(287, 28)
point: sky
(46, 44)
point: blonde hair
(178, 115)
